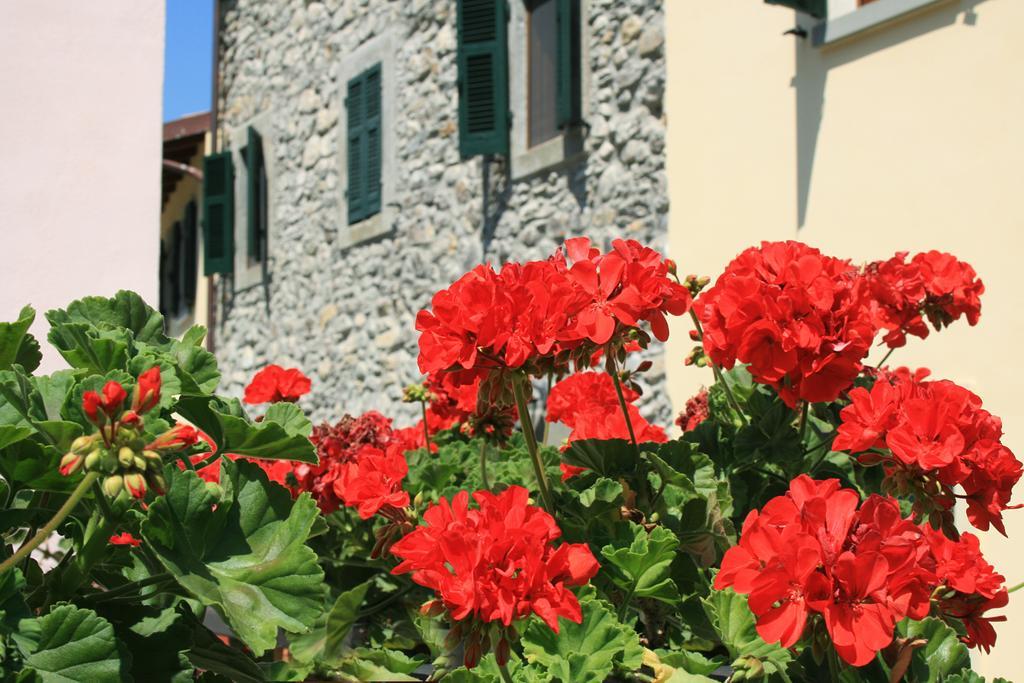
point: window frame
(250, 272)
(382, 50)
(567, 146)
(848, 18)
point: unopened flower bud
(139, 463)
(125, 456)
(501, 653)
(83, 444)
(112, 485)
(158, 483)
(108, 461)
(671, 266)
(136, 484)
(432, 608)
(70, 464)
(92, 460)
(472, 656)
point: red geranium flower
(100, 408)
(125, 538)
(147, 390)
(274, 383)
(373, 480)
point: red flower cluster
(339, 445)
(812, 551)
(101, 408)
(931, 284)
(932, 437)
(530, 312)
(794, 315)
(455, 403)
(373, 480)
(586, 402)
(496, 563)
(695, 412)
(274, 383)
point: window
(847, 18)
(218, 213)
(483, 77)
(367, 164)
(542, 70)
(252, 224)
(178, 266)
(363, 135)
(547, 75)
(256, 196)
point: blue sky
(188, 56)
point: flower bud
(214, 489)
(83, 445)
(502, 652)
(125, 456)
(139, 463)
(472, 656)
(108, 461)
(92, 460)
(432, 608)
(157, 483)
(112, 485)
(136, 484)
(70, 464)
(672, 269)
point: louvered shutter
(255, 204)
(218, 213)
(816, 8)
(355, 108)
(483, 77)
(569, 100)
(372, 137)
(191, 254)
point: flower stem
(885, 358)
(803, 421)
(426, 430)
(531, 443)
(1016, 588)
(719, 376)
(505, 675)
(483, 465)
(133, 586)
(613, 371)
(51, 526)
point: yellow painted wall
(907, 138)
(188, 189)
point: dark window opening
(542, 71)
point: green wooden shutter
(816, 8)
(372, 141)
(191, 262)
(218, 213)
(569, 82)
(483, 77)
(356, 112)
(255, 204)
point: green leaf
(17, 345)
(33, 465)
(70, 644)
(209, 653)
(282, 435)
(125, 310)
(607, 457)
(587, 652)
(364, 664)
(734, 622)
(643, 568)
(340, 620)
(247, 557)
(12, 434)
(940, 656)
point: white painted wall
(80, 150)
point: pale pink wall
(80, 148)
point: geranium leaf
(340, 619)
(17, 345)
(585, 652)
(70, 644)
(734, 622)
(364, 664)
(643, 568)
(282, 435)
(608, 457)
(125, 310)
(940, 656)
(244, 553)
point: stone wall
(345, 315)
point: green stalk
(803, 421)
(483, 465)
(531, 443)
(613, 371)
(1016, 588)
(719, 377)
(505, 675)
(426, 430)
(26, 549)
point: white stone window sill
(559, 150)
(367, 229)
(866, 18)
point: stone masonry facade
(344, 312)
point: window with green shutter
(816, 8)
(570, 95)
(483, 77)
(256, 195)
(363, 116)
(218, 213)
